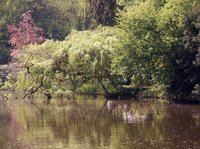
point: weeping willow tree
(61, 67)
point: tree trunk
(104, 11)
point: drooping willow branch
(29, 94)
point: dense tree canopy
(154, 37)
(186, 81)
(56, 18)
(151, 44)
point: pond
(99, 124)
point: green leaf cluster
(154, 35)
(57, 67)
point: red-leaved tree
(26, 33)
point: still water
(99, 124)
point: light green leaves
(154, 33)
(66, 65)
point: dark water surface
(97, 124)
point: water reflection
(4, 121)
(128, 113)
(96, 124)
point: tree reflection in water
(128, 113)
(4, 121)
(108, 124)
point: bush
(185, 84)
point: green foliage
(139, 55)
(58, 67)
(37, 72)
(154, 34)
(150, 47)
(7, 10)
(185, 84)
(57, 18)
(104, 11)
